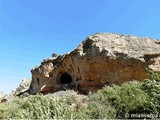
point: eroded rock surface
(101, 59)
(23, 87)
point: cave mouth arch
(65, 78)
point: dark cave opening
(65, 78)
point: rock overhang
(101, 59)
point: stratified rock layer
(101, 59)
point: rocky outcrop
(3, 97)
(101, 59)
(23, 87)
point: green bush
(154, 75)
(152, 88)
(37, 107)
(124, 98)
(2, 110)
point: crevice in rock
(38, 81)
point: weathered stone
(101, 59)
(23, 87)
(3, 97)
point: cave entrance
(65, 78)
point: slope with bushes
(129, 100)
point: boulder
(101, 59)
(3, 97)
(23, 87)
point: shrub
(124, 98)
(152, 88)
(2, 110)
(37, 107)
(154, 75)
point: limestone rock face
(101, 59)
(24, 86)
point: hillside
(108, 76)
(131, 100)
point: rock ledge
(101, 59)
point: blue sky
(31, 30)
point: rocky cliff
(101, 59)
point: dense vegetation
(129, 100)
